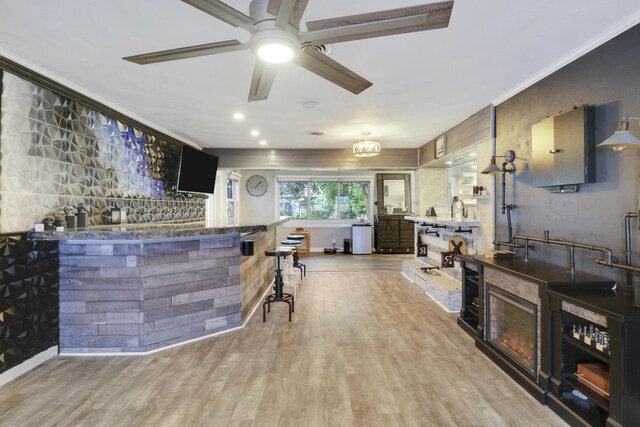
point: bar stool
(296, 263)
(278, 295)
(296, 257)
(289, 278)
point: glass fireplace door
(512, 327)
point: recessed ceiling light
(255, 132)
(472, 154)
(449, 163)
(238, 116)
(315, 133)
(263, 142)
(310, 104)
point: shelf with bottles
(585, 345)
(589, 338)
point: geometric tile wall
(56, 152)
(28, 298)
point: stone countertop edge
(146, 231)
(444, 221)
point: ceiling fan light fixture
(275, 46)
(275, 53)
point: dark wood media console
(557, 301)
(614, 313)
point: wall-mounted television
(197, 171)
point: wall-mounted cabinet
(563, 149)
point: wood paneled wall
(469, 132)
(399, 158)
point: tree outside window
(294, 199)
(324, 200)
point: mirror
(394, 193)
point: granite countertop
(610, 303)
(541, 272)
(149, 231)
(444, 221)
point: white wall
(485, 206)
(434, 191)
(263, 210)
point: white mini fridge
(361, 239)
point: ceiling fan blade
(223, 12)
(331, 70)
(187, 52)
(263, 76)
(284, 13)
(378, 24)
(299, 7)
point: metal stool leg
(278, 295)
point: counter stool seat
(278, 252)
(296, 241)
(278, 295)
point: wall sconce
(493, 169)
(622, 138)
(507, 167)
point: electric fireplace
(512, 328)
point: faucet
(454, 212)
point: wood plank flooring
(364, 348)
(341, 262)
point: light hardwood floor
(341, 262)
(365, 348)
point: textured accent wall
(57, 152)
(143, 295)
(257, 271)
(28, 298)
(606, 78)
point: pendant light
(366, 147)
(622, 138)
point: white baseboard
(28, 365)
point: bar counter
(139, 288)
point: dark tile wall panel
(57, 152)
(28, 298)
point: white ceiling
(423, 83)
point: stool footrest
(286, 298)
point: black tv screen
(197, 171)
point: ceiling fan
(276, 38)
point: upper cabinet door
(542, 161)
(563, 149)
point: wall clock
(257, 185)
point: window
(323, 199)
(232, 200)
